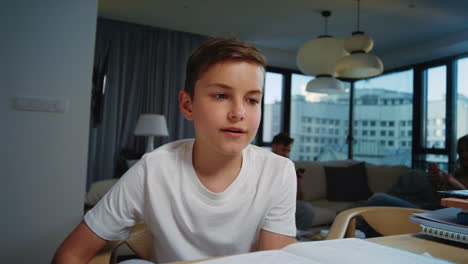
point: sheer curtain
(145, 70)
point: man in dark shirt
(282, 145)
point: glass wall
(462, 98)
(383, 119)
(382, 125)
(318, 122)
(436, 87)
(272, 105)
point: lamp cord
(358, 14)
(326, 26)
(325, 15)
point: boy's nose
(237, 112)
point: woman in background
(458, 180)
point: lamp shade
(151, 125)
(359, 65)
(358, 41)
(319, 56)
(326, 85)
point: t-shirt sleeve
(121, 208)
(280, 218)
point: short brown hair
(462, 142)
(282, 139)
(216, 50)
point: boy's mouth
(233, 130)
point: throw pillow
(347, 183)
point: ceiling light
(359, 64)
(325, 84)
(318, 58)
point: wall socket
(40, 104)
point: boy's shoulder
(266, 155)
(171, 148)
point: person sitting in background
(458, 180)
(412, 188)
(282, 145)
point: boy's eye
(220, 96)
(253, 101)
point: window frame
(418, 149)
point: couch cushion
(347, 183)
(313, 180)
(382, 177)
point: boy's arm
(269, 240)
(79, 247)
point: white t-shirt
(187, 220)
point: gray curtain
(144, 71)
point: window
(462, 98)
(329, 109)
(383, 106)
(272, 105)
(436, 95)
(392, 97)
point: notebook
(442, 223)
(445, 234)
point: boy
(305, 212)
(212, 196)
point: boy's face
(226, 106)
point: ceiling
(410, 30)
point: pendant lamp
(359, 64)
(318, 57)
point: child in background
(209, 196)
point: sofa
(379, 178)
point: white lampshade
(319, 56)
(151, 125)
(326, 85)
(358, 41)
(359, 65)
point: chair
(140, 242)
(383, 219)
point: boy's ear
(185, 104)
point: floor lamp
(151, 125)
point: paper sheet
(339, 251)
(262, 257)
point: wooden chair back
(385, 220)
(141, 241)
